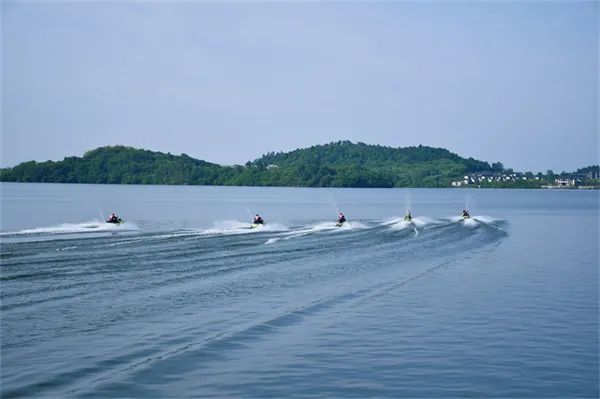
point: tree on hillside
(497, 167)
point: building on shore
(565, 182)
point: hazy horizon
(226, 83)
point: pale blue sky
(511, 82)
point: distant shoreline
(312, 187)
(337, 164)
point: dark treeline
(339, 164)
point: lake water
(183, 300)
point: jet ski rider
(113, 219)
(258, 219)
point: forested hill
(346, 152)
(121, 165)
(340, 164)
(347, 164)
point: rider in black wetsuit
(113, 219)
(465, 214)
(341, 218)
(258, 220)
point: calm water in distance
(184, 300)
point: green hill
(340, 164)
(345, 164)
(120, 165)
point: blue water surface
(184, 300)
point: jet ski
(340, 222)
(465, 215)
(257, 222)
(115, 221)
(408, 218)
